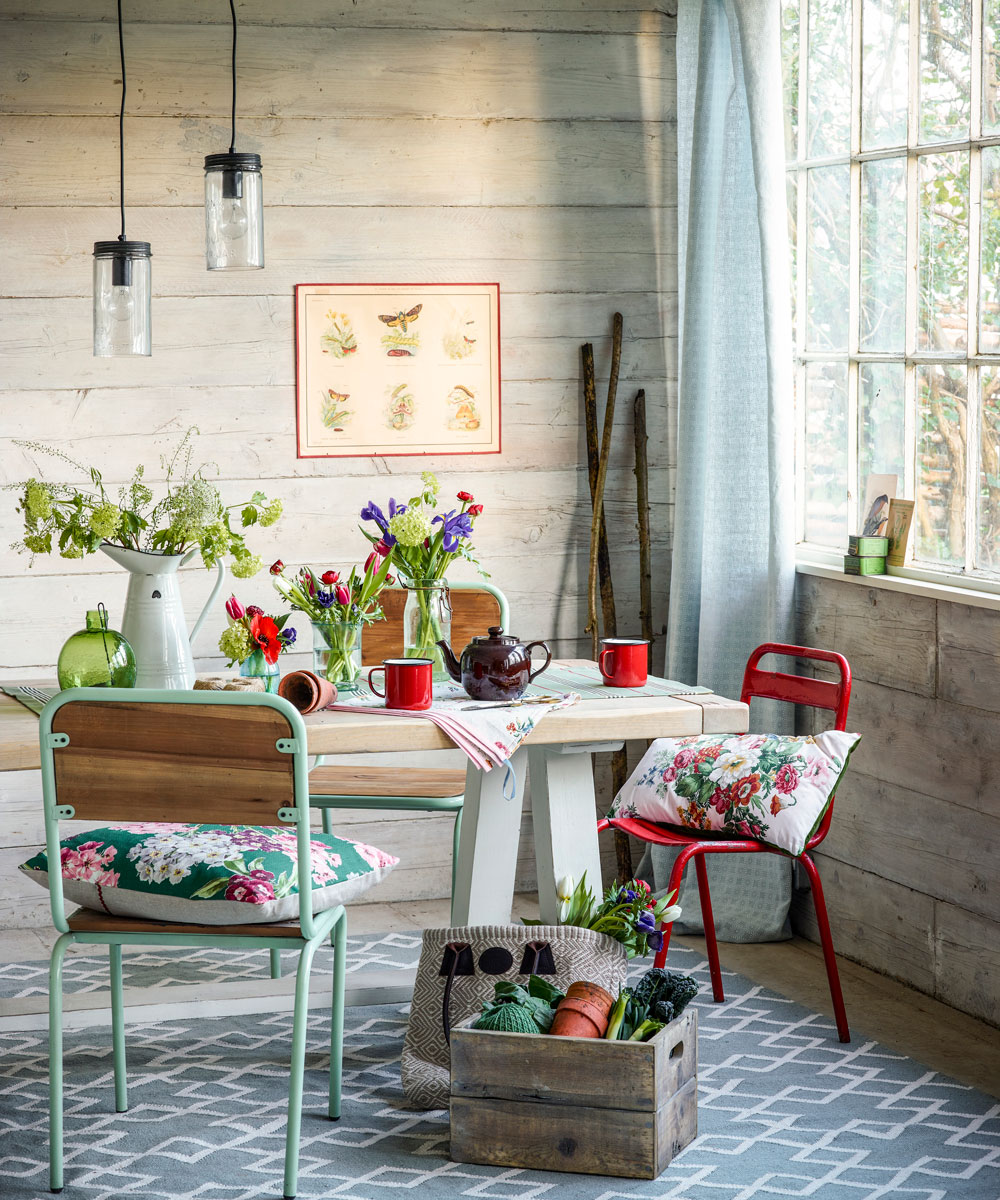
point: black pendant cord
(121, 127)
(232, 135)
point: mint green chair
(229, 758)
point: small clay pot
(306, 691)
(584, 1012)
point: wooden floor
(878, 1007)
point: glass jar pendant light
(121, 270)
(234, 209)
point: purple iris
(455, 525)
(629, 895)
(288, 635)
(394, 508)
(324, 599)
(646, 922)
(372, 512)
(654, 941)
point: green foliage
(538, 1001)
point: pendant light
(121, 270)
(234, 210)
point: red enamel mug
(408, 682)
(622, 661)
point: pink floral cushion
(208, 874)
(769, 787)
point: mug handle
(371, 682)
(548, 658)
(600, 663)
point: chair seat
(425, 782)
(87, 920)
(675, 835)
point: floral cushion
(208, 874)
(765, 786)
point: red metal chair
(771, 685)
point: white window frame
(953, 575)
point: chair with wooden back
(406, 788)
(829, 695)
(122, 755)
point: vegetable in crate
(642, 1011)
(534, 1007)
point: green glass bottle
(96, 656)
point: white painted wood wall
(402, 140)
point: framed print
(900, 516)
(394, 368)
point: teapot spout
(451, 664)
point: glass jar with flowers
(254, 640)
(424, 543)
(339, 609)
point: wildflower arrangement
(76, 520)
(252, 631)
(628, 913)
(338, 608)
(424, 542)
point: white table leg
(487, 851)
(564, 813)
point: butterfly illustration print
(401, 319)
(333, 414)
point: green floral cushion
(769, 787)
(208, 874)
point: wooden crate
(574, 1104)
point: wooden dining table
(556, 758)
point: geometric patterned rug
(784, 1111)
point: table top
(332, 732)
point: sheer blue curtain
(732, 573)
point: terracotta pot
(307, 691)
(584, 1012)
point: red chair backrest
(800, 689)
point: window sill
(901, 579)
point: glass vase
(257, 667)
(337, 653)
(96, 657)
(426, 621)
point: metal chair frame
(315, 929)
(772, 685)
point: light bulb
(234, 220)
(120, 305)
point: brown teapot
(497, 667)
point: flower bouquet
(423, 544)
(338, 609)
(628, 913)
(253, 641)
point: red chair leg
(828, 955)
(673, 889)
(708, 920)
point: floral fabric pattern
(251, 872)
(768, 787)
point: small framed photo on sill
(397, 369)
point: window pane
(829, 78)
(989, 283)
(884, 72)
(883, 255)
(881, 448)
(828, 252)
(940, 508)
(942, 282)
(989, 472)
(793, 245)
(790, 74)
(991, 66)
(945, 69)
(824, 471)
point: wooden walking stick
(642, 525)
(593, 454)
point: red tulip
(373, 557)
(330, 577)
(467, 497)
(277, 567)
(390, 580)
(475, 510)
(234, 609)
(342, 595)
(382, 549)
(265, 633)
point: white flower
(670, 914)
(564, 893)
(733, 765)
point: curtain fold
(733, 572)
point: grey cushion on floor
(751, 893)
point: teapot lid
(496, 637)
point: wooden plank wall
(910, 865)
(417, 140)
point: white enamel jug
(154, 622)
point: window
(893, 142)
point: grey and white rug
(784, 1111)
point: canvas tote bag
(456, 975)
